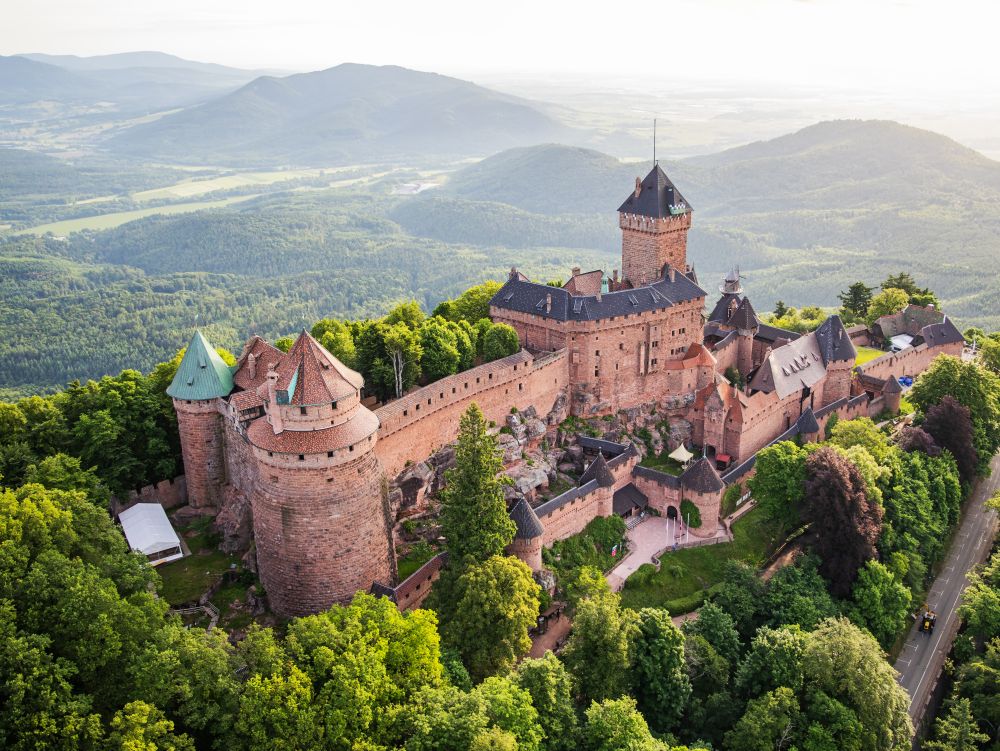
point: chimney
(598, 294)
(252, 365)
(638, 187)
(548, 303)
(513, 272)
(273, 412)
(672, 273)
(614, 276)
(575, 271)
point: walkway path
(653, 535)
(922, 658)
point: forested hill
(350, 112)
(804, 214)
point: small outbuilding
(148, 530)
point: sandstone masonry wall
(414, 427)
(910, 362)
(321, 533)
(648, 244)
(202, 447)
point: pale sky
(945, 46)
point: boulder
(535, 428)
(510, 447)
(546, 580)
(528, 479)
(413, 484)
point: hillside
(23, 80)
(350, 112)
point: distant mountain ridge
(349, 112)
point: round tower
(202, 380)
(321, 517)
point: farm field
(116, 219)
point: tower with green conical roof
(202, 380)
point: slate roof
(773, 333)
(311, 375)
(608, 447)
(663, 478)
(720, 313)
(744, 317)
(910, 320)
(598, 470)
(790, 368)
(892, 386)
(807, 422)
(524, 518)
(938, 334)
(528, 297)
(202, 374)
(834, 341)
(629, 497)
(655, 198)
(569, 496)
(702, 477)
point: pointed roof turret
(731, 282)
(702, 477)
(807, 422)
(202, 374)
(655, 197)
(526, 521)
(834, 341)
(892, 386)
(744, 317)
(598, 470)
(311, 375)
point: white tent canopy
(148, 530)
(681, 454)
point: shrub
(690, 514)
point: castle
(287, 434)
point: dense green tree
(890, 300)
(957, 730)
(402, 345)
(845, 524)
(980, 608)
(780, 309)
(474, 304)
(337, 339)
(443, 719)
(495, 603)
(855, 300)
(707, 670)
(778, 485)
(974, 387)
(846, 664)
(832, 726)
(62, 472)
(977, 681)
(474, 516)
(917, 295)
(407, 313)
(616, 725)
(717, 627)
(740, 594)
(509, 707)
(797, 595)
(989, 353)
(439, 349)
(774, 659)
(499, 341)
(583, 583)
(278, 712)
(143, 727)
(770, 723)
(862, 432)
(284, 343)
(880, 603)
(950, 425)
(659, 675)
(551, 690)
(466, 342)
(599, 652)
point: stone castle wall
(321, 533)
(648, 244)
(910, 362)
(168, 493)
(423, 421)
(203, 449)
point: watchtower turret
(654, 220)
(202, 380)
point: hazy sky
(944, 45)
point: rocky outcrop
(234, 521)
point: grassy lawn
(663, 463)
(186, 580)
(867, 353)
(416, 557)
(686, 574)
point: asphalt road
(923, 656)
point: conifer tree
(473, 510)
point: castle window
(417, 407)
(428, 401)
(490, 377)
(597, 353)
(274, 478)
(334, 405)
(302, 457)
(466, 385)
(621, 345)
(405, 412)
(453, 389)
(329, 479)
(520, 387)
(302, 410)
(653, 361)
(477, 378)
(270, 453)
(597, 372)
(351, 448)
(441, 395)
(329, 454)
